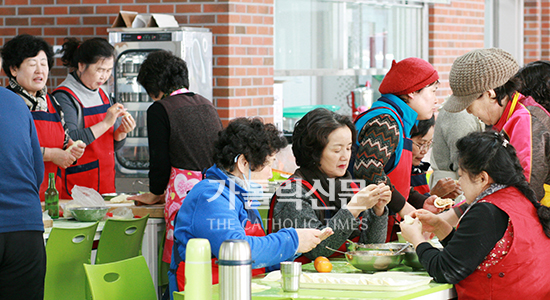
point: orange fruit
(323, 267)
(319, 259)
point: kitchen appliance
(193, 45)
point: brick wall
(536, 30)
(242, 39)
(455, 29)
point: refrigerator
(132, 45)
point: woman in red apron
(26, 62)
(501, 240)
(383, 141)
(221, 206)
(321, 193)
(90, 115)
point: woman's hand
(147, 198)
(78, 150)
(59, 157)
(446, 188)
(412, 232)
(429, 205)
(433, 223)
(116, 110)
(127, 124)
(309, 238)
(385, 198)
(364, 199)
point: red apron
(50, 135)
(303, 259)
(98, 160)
(523, 272)
(253, 228)
(181, 182)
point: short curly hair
(22, 47)
(249, 137)
(163, 72)
(310, 136)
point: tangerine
(319, 259)
(323, 267)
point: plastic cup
(291, 272)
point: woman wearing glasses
(422, 139)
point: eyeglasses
(426, 146)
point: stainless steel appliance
(194, 45)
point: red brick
(94, 20)
(31, 31)
(161, 9)
(89, 31)
(7, 11)
(107, 9)
(56, 31)
(186, 8)
(81, 10)
(142, 9)
(68, 21)
(120, 1)
(17, 21)
(33, 10)
(216, 8)
(102, 31)
(94, 1)
(56, 10)
(202, 19)
(42, 2)
(68, 1)
(42, 21)
(182, 19)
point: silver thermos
(235, 270)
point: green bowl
(89, 214)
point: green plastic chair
(66, 250)
(179, 295)
(125, 279)
(120, 239)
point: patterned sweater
(378, 140)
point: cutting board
(154, 211)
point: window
(324, 49)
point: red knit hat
(407, 76)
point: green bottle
(52, 198)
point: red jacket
(523, 273)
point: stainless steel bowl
(411, 259)
(383, 247)
(89, 214)
(374, 260)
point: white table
(152, 238)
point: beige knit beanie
(476, 72)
